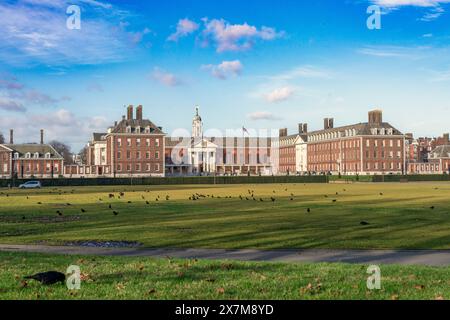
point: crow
(292, 199)
(68, 204)
(381, 193)
(129, 201)
(432, 207)
(261, 199)
(146, 202)
(167, 197)
(39, 203)
(59, 212)
(337, 193)
(111, 195)
(115, 213)
(122, 194)
(156, 199)
(82, 210)
(334, 200)
(273, 199)
(110, 206)
(364, 223)
(308, 210)
(49, 277)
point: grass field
(399, 215)
(143, 278)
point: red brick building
(30, 160)
(438, 162)
(373, 147)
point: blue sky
(256, 63)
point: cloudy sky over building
(256, 63)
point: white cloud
(303, 72)
(279, 95)
(235, 37)
(184, 28)
(416, 3)
(61, 123)
(393, 51)
(11, 105)
(225, 69)
(35, 33)
(427, 35)
(262, 115)
(165, 78)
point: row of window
(138, 168)
(377, 166)
(138, 155)
(138, 142)
(35, 155)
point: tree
(83, 154)
(2, 138)
(63, 149)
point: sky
(256, 63)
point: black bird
(115, 213)
(129, 201)
(260, 199)
(49, 277)
(110, 206)
(432, 207)
(122, 194)
(59, 212)
(308, 210)
(273, 199)
(68, 204)
(111, 195)
(381, 193)
(142, 197)
(364, 223)
(147, 202)
(334, 200)
(337, 193)
(23, 217)
(167, 197)
(39, 203)
(158, 199)
(82, 210)
(292, 199)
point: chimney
(305, 128)
(42, 136)
(139, 112)
(11, 136)
(300, 128)
(130, 112)
(330, 123)
(283, 132)
(375, 117)
(123, 117)
(446, 137)
(115, 123)
(325, 124)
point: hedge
(61, 182)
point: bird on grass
(68, 204)
(59, 213)
(261, 199)
(364, 223)
(115, 213)
(381, 193)
(334, 200)
(110, 206)
(129, 202)
(308, 210)
(122, 194)
(82, 210)
(167, 198)
(39, 203)
(146, 202)
(48, 278)
(432, 207)
(292, 199)
(272, 198)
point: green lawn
(399, 215)
(144, 278)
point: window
(128, 155)
(36, 155)
(391, 143)
(157, 167)
(16, 155)
(399, 143)
(138, 167)
(157, 142)
(147, 155)
(129, 142)
(119, 142)
(28, 155)
(138, 142)
(119, 167)
(138, 155)
(119, 155)
(367, 143)
(128, 167)
(157, 155)
(128, 130)
(147, 167)
(48, 155)
(5, 167)
(147, 142)
(138, 129)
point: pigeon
(82, 210)
(364, 223)
(49, 277)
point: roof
(360, 128)
(33, 148)
(98, 136)
(441, 152)
(121, 127)
(220, 141)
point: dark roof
(33, 148)
(360, 128)
(98, 136)
(441, 152)
(121, 127)
(221, 141)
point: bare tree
(83, 154)
(63, 149)
(2, 138)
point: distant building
(438, 162)
(29, 160)
(373, 147)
